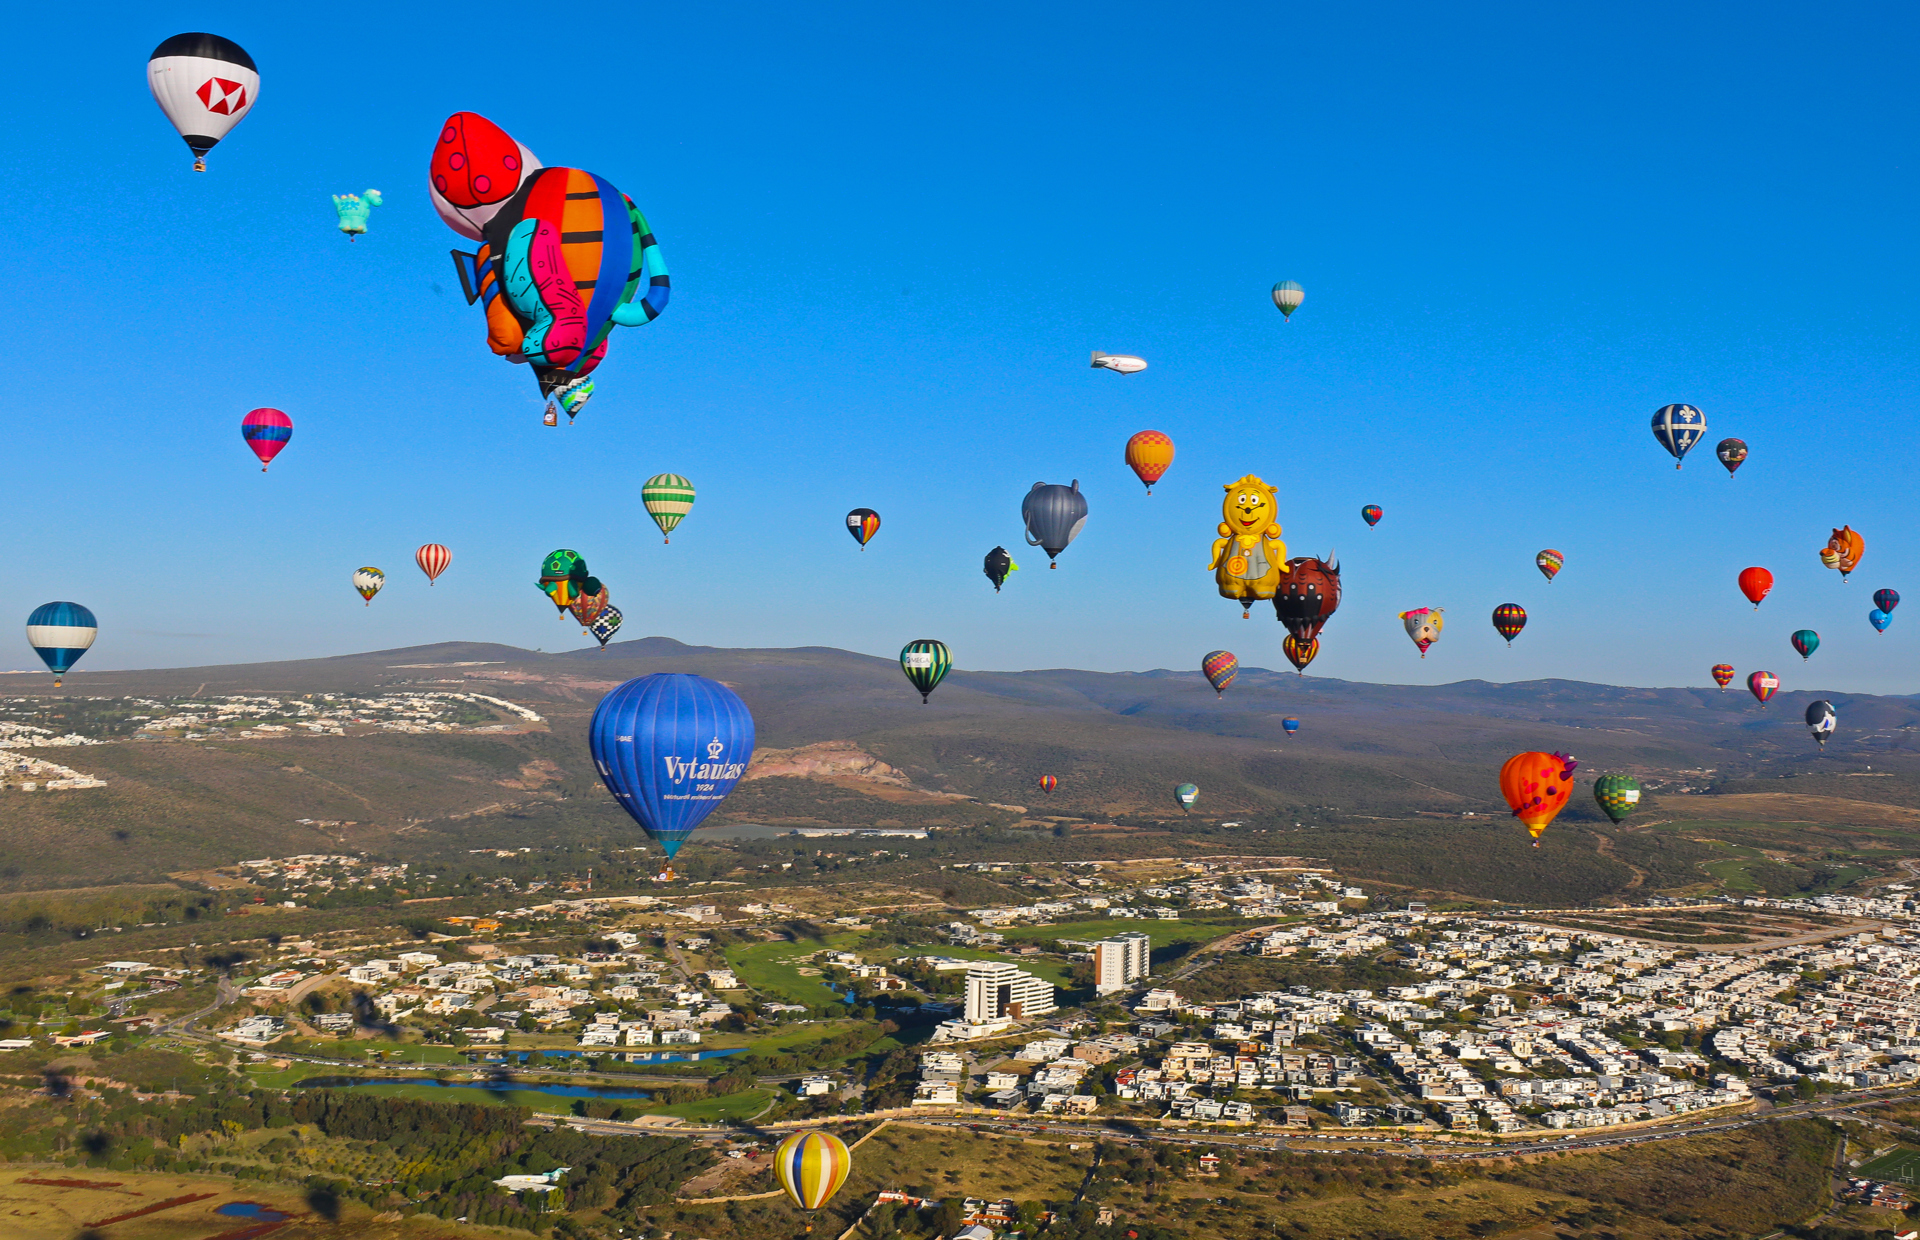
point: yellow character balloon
(1249, 557)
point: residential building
(997, 991)
(1120, 961)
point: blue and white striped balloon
(60, 633)
(1678, 428)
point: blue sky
(895, 234)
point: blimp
(1124, 363)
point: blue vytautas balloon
(670, 747)
(60, 633)
(1678, 428)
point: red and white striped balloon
(433, 560)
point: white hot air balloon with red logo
(433, 560)
(206, 85)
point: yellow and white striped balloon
(812, 1166)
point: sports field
(1900, 1166)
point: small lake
(629, 1056)
(253, 1210)
(494, 1087)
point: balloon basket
(199, 165)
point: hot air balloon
(1755, 583)
(1054, 516)
(1308, 595)
(1424, 625)
(1821, 721)
(1722, 674)
(206, 85)
(1886, 600)
(266, 432)
(1219, 667)
(1843, 550)
(1763, 685)
(433, 560)
(863, 524)
(353, 211)
(670, 747)
(1549, 562)
(605, 625)
(60, 633)
(1300, 653)
(1372, 513)
(1119, 363)
(1879, 619)
(926, 663)
(1508, 620)
(1048, 783)
(1678, 428)
(1537, 786)
(1805, 642)
(812, 1165)
(668, 498)
(588, 607)
(1148, 455)
(1249, 558)
(562, 575)
(997, 566)
(1619, 795)
(367, 581)
(1186, 794)
(564, 254)
(1287, 297)
(1732, 453)
(1291, 725)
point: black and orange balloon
(1300, 653)
(1508, 620)
(1308, 596)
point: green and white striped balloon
(926, 663)
(668, 497)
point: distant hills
(1117, 742)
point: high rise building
(1120, 961)
(998, 991)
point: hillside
(1365, 754)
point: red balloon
(1755, 584)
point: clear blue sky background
(895, 234)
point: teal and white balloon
(1287, 297)
(60, 633)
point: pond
(497, 1086)
(253, 1210)
(629, 1056)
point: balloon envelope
(475, 168)
(1805, 642)
(1732, 452)
(1549, 562)
(1755, 583)
(997, 566)
(1723, 674)
(1287, 297)
(206, 85)
(1618, 795)
(1048, 783)
(1821, 721)
(1886, 600)
(670, 747)
(1763, 685)
(60, 633)
(368, 580)
(812, 1165)
(1423, 625)
(266, 431)
(1220, 667)
(1300, 653)
(1186, 794)
(1308, 595)
(1879, 619)
(668, 498)
(433, 560)
(1678, 428)
(1149, 453)
(1054, 516)
(1291, 725)
(1508, 620)
(863, 524)
(605, 625)
(1537, 786)
(926, 663)
(1372, 513)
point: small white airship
(1124, 363)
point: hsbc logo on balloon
(222, 97)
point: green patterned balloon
(926, 663)
(667, 498)
(1619, 795)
